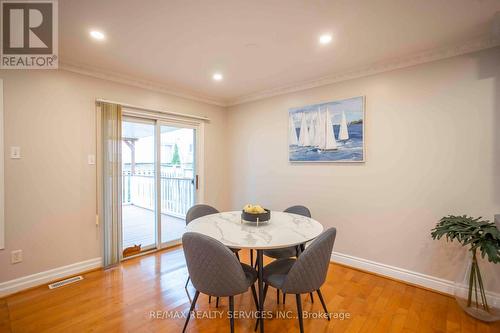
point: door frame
(154, 246)
(198, 168)
(174, 121)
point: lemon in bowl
(255, 213)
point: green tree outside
(176, 159)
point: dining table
(282, 230)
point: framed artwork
(328, 132)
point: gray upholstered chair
(299, 210)
(199, 211)
(291, 251)
(215, 271)
(306, 274)
(195, 212)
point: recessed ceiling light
(325, 39)
(217, 77)
(97, 35)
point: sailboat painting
(327, 132)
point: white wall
(433, 148)
(51, 192)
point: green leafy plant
(478, 234)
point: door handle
(196, 180)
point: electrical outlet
(91, 159)
(16, 256)
(15, 152)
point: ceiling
(257, 45)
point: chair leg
(189, 278)
(191, 310)
(263, 300)
(251, 257)
(312, 297)
(217, 302)
(299, 312)
(298, 300)
(278, 296)
(297, 251)
(284, 297)
(209, 299)
(231, 315)
(323, 303)
(254, 294)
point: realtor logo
(29, 34)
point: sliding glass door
(178, 179)
(160, 181)
(139, 221)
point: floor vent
(65, 282)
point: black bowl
(262, 217)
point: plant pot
(477, 288)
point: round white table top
(282, 230)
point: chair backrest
(199, 211)
(309, 271)
(299, 210)
(213, 268)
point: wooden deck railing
(176, 193)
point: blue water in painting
(351, 150)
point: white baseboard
(426, 281)
(419, 279)
(33, 280)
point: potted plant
(481, 236)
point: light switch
(15, 152)
(91, 159)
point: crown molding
(478, 44)
(135, 82)
(475, 45)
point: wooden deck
(139, 226)
(137, 295)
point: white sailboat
(329, 142)
(294, 141)
(318, 129)
(304, 139)
(312, 130)
(343, 132)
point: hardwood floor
(139, 226)
(124, 299)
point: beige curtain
(110, 150)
